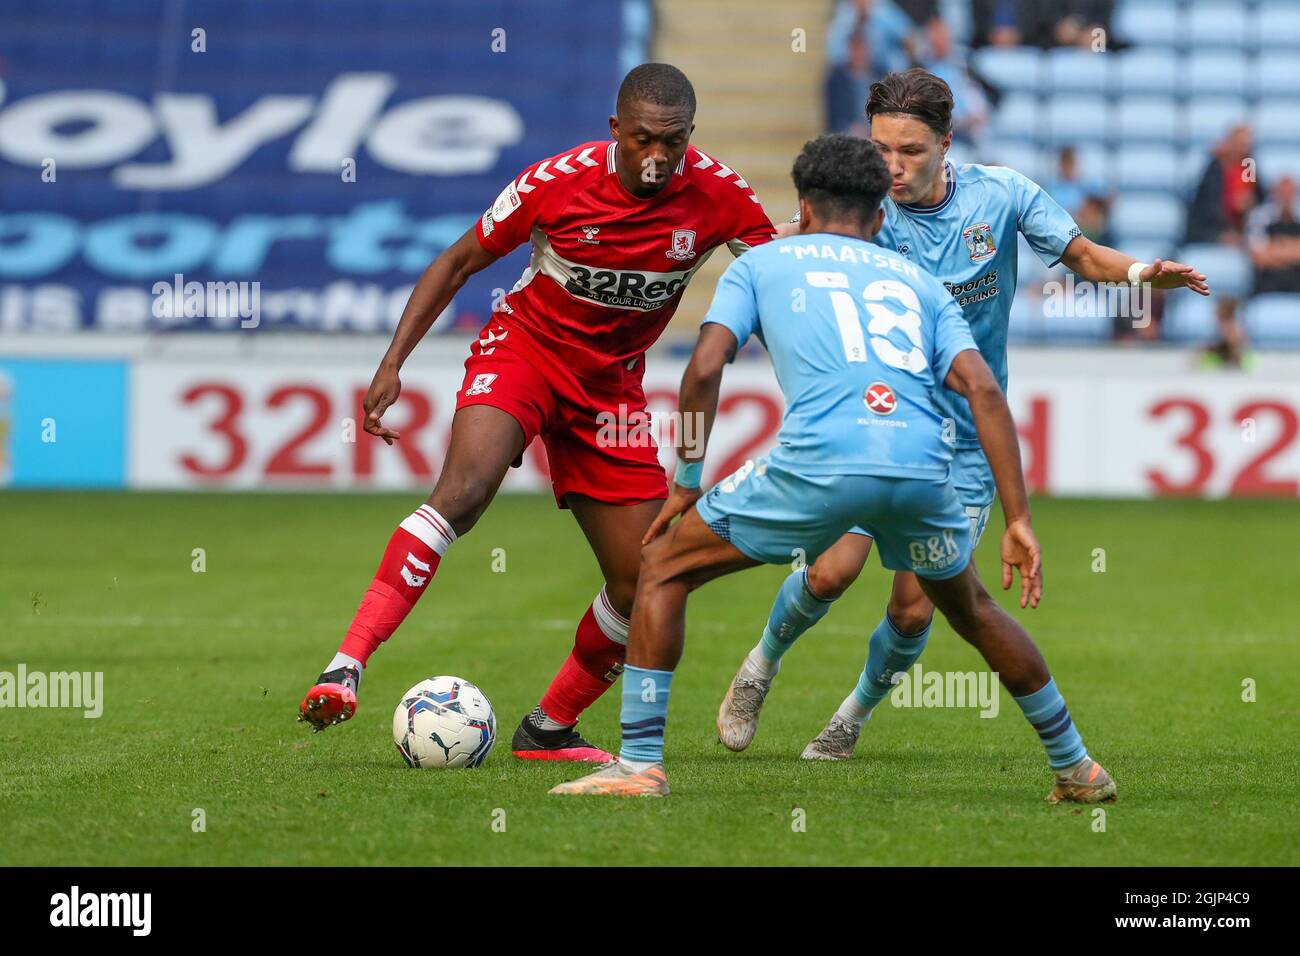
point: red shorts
(580, 422)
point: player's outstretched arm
(970, 377)
(697, 404)
(1098, 263)
(436, 287)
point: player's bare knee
(461, 499)
(621, 592)
(911, 617)
(828, 580)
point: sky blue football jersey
(968, 240)
(860, 339)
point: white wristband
(1135, 271)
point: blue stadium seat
(1153, 216)
(1147, 119)
(1189, 318)
(1072, 70)
(960, 154)
(1209, 117)
(1277, 74)
(1151, 167)
(1215, 72)
(1228, 270)
(1219, 24)
(1013, 69)
(1094, 164)
(1278, 123)
(1278, 161)
(1274, 319)
(1078, 118)
(1278, 24)
(1019, 117)
(1029, 268)
(1023, 158)
(1191, 167)
(1147, 251)
(1149, 22)
(1025, 324)
(1147, 70)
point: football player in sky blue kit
(862, 341)
(960, 224)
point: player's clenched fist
(384, 389)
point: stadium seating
(1144, 116)
(1230, 269)
(1278, 25)
(1217, 24)
(1147, 70)
(1011, 69)
(1274, 319)
(1153, 216)
(1189, 318)
(1153, 22)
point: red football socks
(408, 565)
(592, 667)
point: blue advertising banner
(62, 423)
(308, 158)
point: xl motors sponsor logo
(93, 129)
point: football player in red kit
(617, 230)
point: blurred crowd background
(1167, 128)
(315, 156)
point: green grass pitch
(203, 672)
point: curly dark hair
(916, 92)
(659, 83)
(842, 177)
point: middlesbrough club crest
(682, 244)
(979, 241)
(880, 398)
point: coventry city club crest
(979, 241)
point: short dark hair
(916, 92)
(841, 176)
(658, 83)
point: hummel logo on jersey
(487, 342)
(415, 580)
(682, 245)
(482, 383)
(590, 233)
(880, 398)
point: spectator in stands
(943, 58)
(1093, 219)
(1069, 187)
(1227, 192)
(1274, 238)
(1080, 22)
(865, 40)
(1038, 23)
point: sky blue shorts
(777, 516)
(973, 479)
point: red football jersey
(608, 268)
